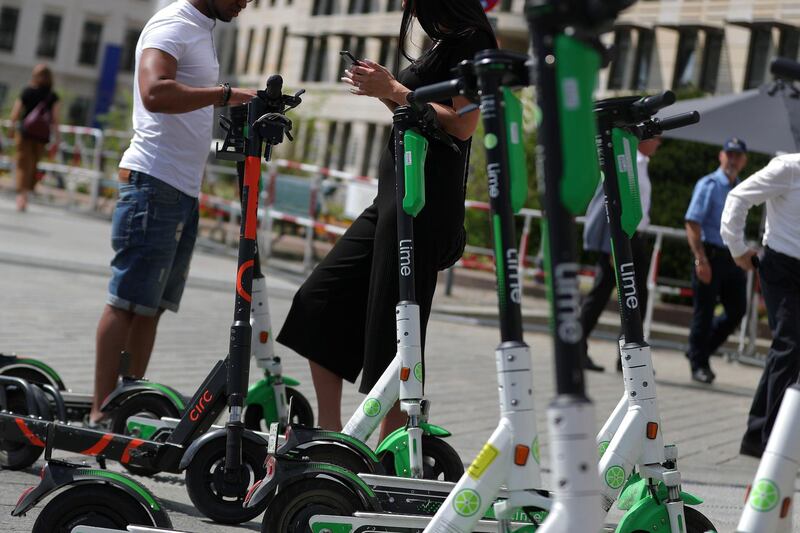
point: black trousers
(780, 285)
(604, 283)
(728, 286)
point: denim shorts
(153, 231)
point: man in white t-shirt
(155, 221)
(597, 238)
(777, 184)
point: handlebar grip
(651, 104)
(274, 87)
(438, 91)
(785, 68)
(679, 121)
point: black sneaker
(703, 375)
(751, 449)
(590, 365)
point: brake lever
(469, 108)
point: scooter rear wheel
(145, 405)
(302, 414)
(99, 505)
(204, 477)
(16, 455)
(293, 507)
(440, 461)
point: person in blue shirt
(715, 276)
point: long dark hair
(442, 21)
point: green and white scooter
(635, 466)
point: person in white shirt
(597, 238)
(777, 184)
(155, 221)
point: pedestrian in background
(715, 276)
(597, 238)
(35, 117)
(777, 184)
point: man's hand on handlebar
(240, 96)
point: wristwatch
(226, 93)
(698, 262)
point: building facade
(715, 46)
(76, 38)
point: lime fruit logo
(602, 447)
(536, 450)
(764, 495)
(418, 372)
(490, 141)
(467, 502)
(372, 407)
(615, 477)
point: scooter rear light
(785, 507)
(24, 493)
(251, 490)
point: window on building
(308, 59)
(686, 59)
(321, 60)
(128, 56)
(325, 7)
(332, 144)
(712, 52)
(267, 35)
(251, 34)
(3, 95)
(90, 43)
(394, 5)
(233, 47)
(344, 147)
(758, 56)
(368, 146)
(506, 5)
(79, 111)
(789, 44)
(48, 36)
(620, 58)
(282, 49)
(9, 19)
(643, 60)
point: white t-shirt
(174, 147)
(645, 188)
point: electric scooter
(219, 464)
(634, 461)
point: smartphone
(347, 54)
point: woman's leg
(328, 387)
(395, 418)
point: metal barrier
(84, 152)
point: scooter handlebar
(439, 91)
(650, 105)
(678, 121)
(785, 68)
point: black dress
(343, 316)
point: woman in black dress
(342, 318)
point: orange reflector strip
(785, 506)
(521, 453)
(405, 372)
(652, 430)
(263, 337)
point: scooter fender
(649, 514)
(282, 472)
(396, 443)
(636, 490)
(9, 363)
(130, 387)
(57, 475)
(210, 436)
(290, 382)
(299, 437)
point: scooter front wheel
(206, 484)
(143, 405)
(91, 505)
(439, 461)
(17, 455)
(696, 522)
(302, 414)
(293, 507)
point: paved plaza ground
(53, 276)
